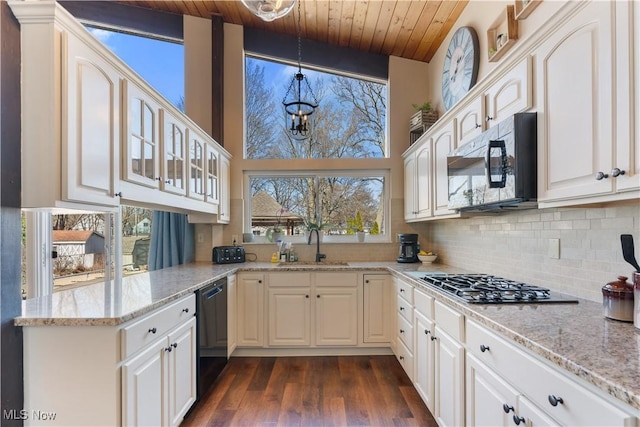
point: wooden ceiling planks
(409, 29)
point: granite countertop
(576, 337)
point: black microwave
(496, 170)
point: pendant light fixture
(268, 10)
(299, 101)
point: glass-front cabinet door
(174, 141)
(212, 175)
(142, 137)
(196, 166)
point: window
(80, 248)
(339, 204)
(159, 62)
(349, 123)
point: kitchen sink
(311, 263)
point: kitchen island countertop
(576, 337)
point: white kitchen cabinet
(424, 354)
(289, 316)
(512, 93)
(250, 314)
(443, 141)
(289, 309)
(142, 140)
(139, 372)
(232, 314)
(449, 334)
(490, 401)
(337, 308)
(538, 385)
(378, 295)
(584, 133)
(426, 193)
(70, 119)
(469, 120)
(224, 209)
(196, 166)
(449, 380)
(145, 387)
(404, 339)
(160, 383)
(417, 182)
(336, 316)
(174, 157)
(212, 171)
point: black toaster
(227, 254)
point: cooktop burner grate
(487, 289)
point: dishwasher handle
(212, 292)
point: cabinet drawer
(423, 303)
(540, 382)
(336, 279)
(405, 357)
(405, 332)
(404, 308)
(404, 290)
(450, 321)
(156, 324)
(298, 279)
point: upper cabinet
(141, 115)
(103, 135)
(89, 156)
(510, 94)
(588, 151)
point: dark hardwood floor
(311, 391)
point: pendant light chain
(299, 104)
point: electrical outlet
(234, 239)
(200, 237)
(554, 248)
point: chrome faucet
(319, 256)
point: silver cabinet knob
(616, 172)
(601, 175)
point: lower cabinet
(159, 384)
(250, 309)
(449, 380)
(378, 294)
(325, 303)
(142, 372)
(531, 392)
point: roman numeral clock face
(460, 68)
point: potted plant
(276, 232)
(424, 117)
(355, 226)
(312, 225)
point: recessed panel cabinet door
(442, 143)
(336, 316)
(574, 96)
(145, 388)
(182, 371)
(90, 158)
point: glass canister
(617, 300)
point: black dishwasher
(212, 333)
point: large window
(349, 124)
(340, 205)
(350, 121)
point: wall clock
(460, 69)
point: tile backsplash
(520, 246)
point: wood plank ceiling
(412, 29)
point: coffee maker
(409, 248)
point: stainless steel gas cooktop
(488, 289)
